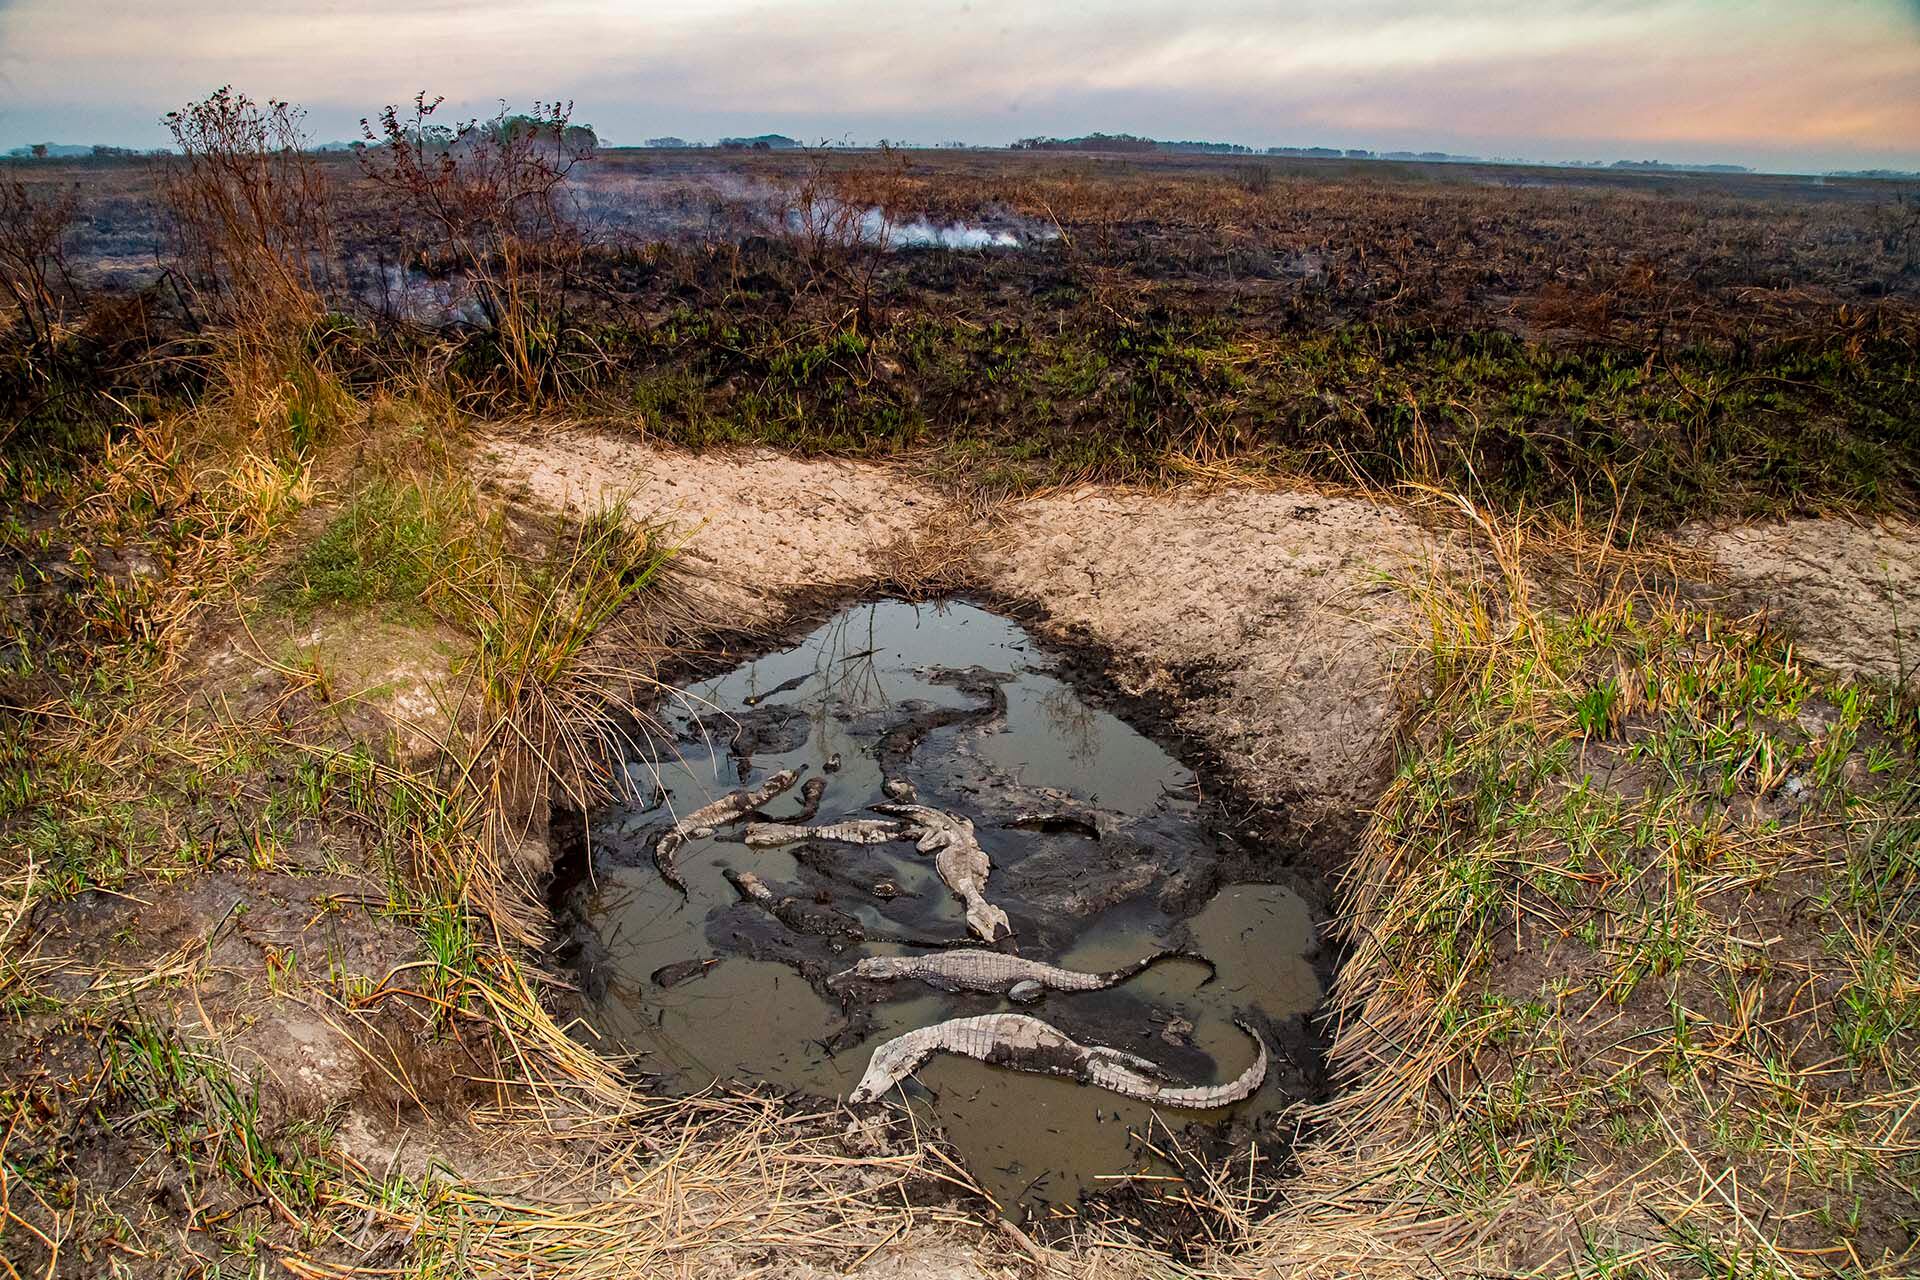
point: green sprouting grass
(1649, 885)
(208, 1120)
(1879, 1014)
(389, 544)
(1671, 433)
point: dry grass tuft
(711, 1185)
(938, 557)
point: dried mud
(757, 528)
(1846, 594)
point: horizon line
(1162, 146)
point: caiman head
(871, 969)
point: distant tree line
(581, 140)
(1128, 142)
(71, 151)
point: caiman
(729, 808)
(810, 793)
(1022, 1043)
(798, 914)
(997, 973)
(770, 835)
(959, 859)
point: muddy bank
(1257, 643)
(1268, 617)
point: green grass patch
(1672, 433)
(388, 544)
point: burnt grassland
(1678, 355)
(1629, 983)
(1675, 347)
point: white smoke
(416, 298)
(874, 227)
(922, 234)
(680, 205)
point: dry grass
(252, 211)
(938, 558)
(728, 1184)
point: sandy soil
(1271, 617)
(758, 526)
(1848, 595)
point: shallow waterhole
(1104, 850)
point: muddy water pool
(1101, 854)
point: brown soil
(375, 680)
(277, 973)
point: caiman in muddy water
(771, 835)
(1022, 1043)
(960, 860)
(727, 809)
(951, 770)
(998, 973)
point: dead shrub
(251, 211)
(841, 221)
(33, 265)
(489, 192)
(252, 218)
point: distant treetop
(761, 142)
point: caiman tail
(1114, 977)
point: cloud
(1813, 83)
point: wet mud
(1103, 851)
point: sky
(1792, 85)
